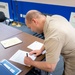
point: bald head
(32, 14)
(35, 20)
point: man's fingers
(36, 55)
(32, 52)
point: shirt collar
(46, 24)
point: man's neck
(43, 20)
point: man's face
(34, 26)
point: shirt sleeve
(53, 48)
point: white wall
(55, 2)
(4, 8)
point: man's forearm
(43, 66)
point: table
(27, 40)
(7, 31)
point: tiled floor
(24, 28)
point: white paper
(72, 19)
(10, 42)
(20, 55)
(36, 46)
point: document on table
(10, 42)
(20, 55)
(36, 46)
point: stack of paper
(36, 46)
(10, 42)
(20, 55)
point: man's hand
(36, 52)
(41, 65)
(28, 61)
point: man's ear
(34, 20)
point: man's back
(60, 38)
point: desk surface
(27, 40)
(7, 31)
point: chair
(2, 17)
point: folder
(4, 70)
(10, 42)
(9, 66)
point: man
(59, 39)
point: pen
(27, 54)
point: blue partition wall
(23, 7)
